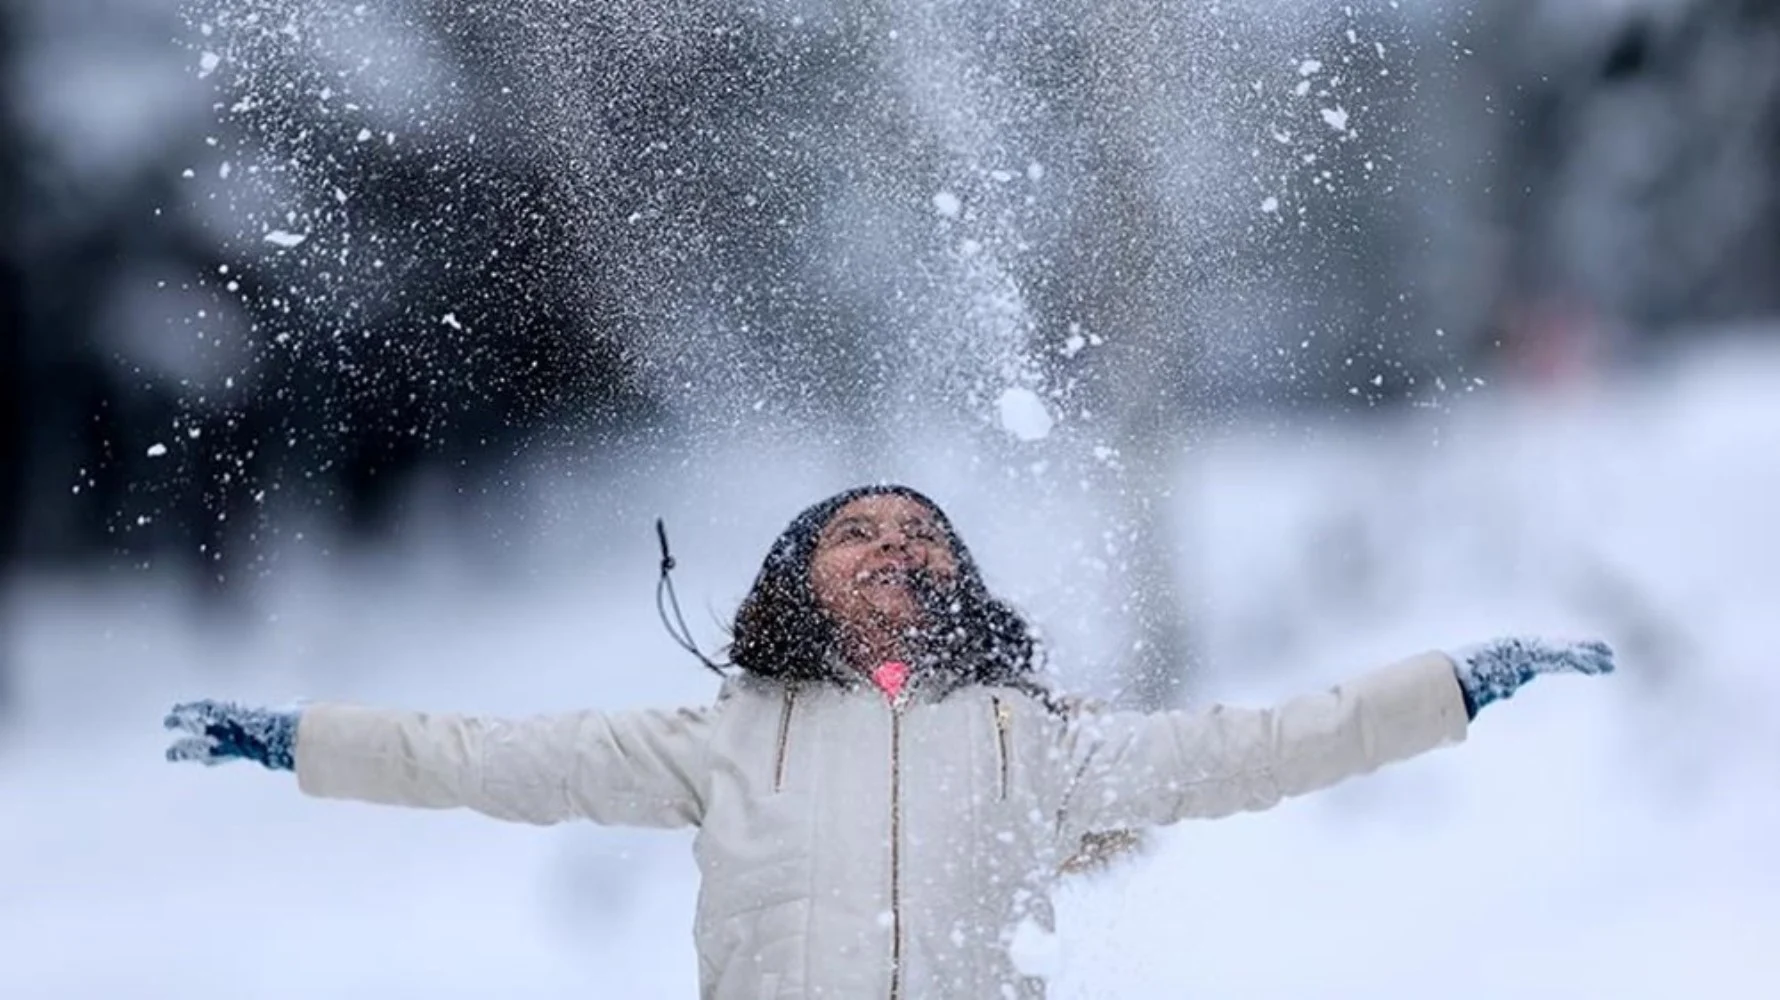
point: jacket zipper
(895, 849)
(779, 762)
(1003, 723)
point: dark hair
(781, 632)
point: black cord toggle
(665, 597)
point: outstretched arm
(643, 768)
(1135, 769)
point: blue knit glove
(223, 731)
(1490, 671)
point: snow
(1035, 951)
(285, 239)
(157, 450)
(1023, 414)
(1335, 118)
(1593, 837)
(947, 205)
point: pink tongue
(890, 677)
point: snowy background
(351, 351)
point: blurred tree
(439, 312)
(196, 385)
(1635, 186)
(14, 408)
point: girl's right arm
(638, 768)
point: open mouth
(887, 576)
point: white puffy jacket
(851, 848)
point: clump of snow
(207, 63)
(1336, 118)
(285, 238)
(1270, 204)
(1023, 414)
(157, 450)
(947, 204)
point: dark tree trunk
(13, 384)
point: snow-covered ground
(1593, 838)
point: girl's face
(867, 555)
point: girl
(884, 792)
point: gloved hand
(1489, 671)
(224, 731)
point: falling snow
(524, 225)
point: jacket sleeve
(1132, 769)
(642, 768)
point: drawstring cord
(665, 598)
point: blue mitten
(223, 731)
(1490, 671)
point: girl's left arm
(1132, 769)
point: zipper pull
(1003, 726)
